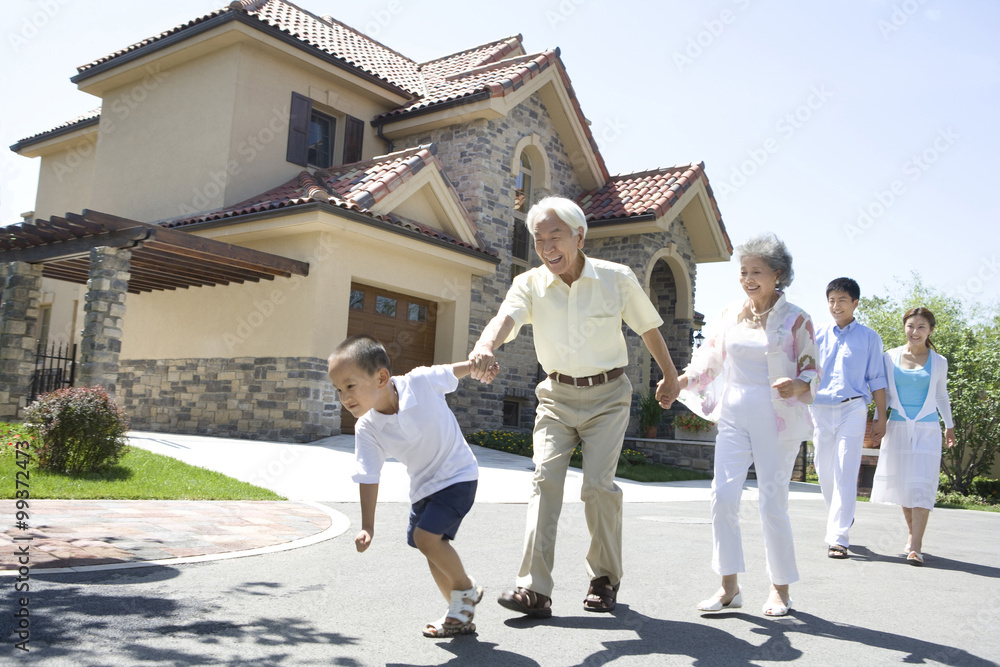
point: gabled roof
(355, 187)
(649, 193)
(323, 34)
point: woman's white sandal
(715, 604)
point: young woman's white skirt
(909, 469)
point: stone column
(104, 313)
(22, 292)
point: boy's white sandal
(462, 607)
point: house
(260, 182)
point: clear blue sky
(863, 132)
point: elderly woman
(755, 375)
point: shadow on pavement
(710, 646)
(862, 553)
(152, 629)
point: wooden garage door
(403, 324)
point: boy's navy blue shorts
(441, 513)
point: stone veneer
(282, 399)
(104, 314)
(477, 158)
(20, 294)
(678, 453)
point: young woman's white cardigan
(910, 458)
(937, 394)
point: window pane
(357, 299)
(511, 414)
(417, 313)
(519, 243)
(385, 306)
(321, 129)
(522, 193)
(525, 162)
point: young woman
(910, 462)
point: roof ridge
(327, 18)
(469, 50)
(499, 64)
(501, 50)
(388, 157)
(656, 170)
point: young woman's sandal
(915, 558)
(601, 596)
(461, 612)
(527, 602)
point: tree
(967, 336)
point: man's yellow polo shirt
(578, 328)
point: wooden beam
(117, 239)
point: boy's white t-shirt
(423, 435)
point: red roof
(357, 187)
(652, 192)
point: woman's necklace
(756, 315)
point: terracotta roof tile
(357, 187)
(322, 33)
(651, 192)
(92, 117)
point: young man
(407, 417)
(850, 355)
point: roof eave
(53, 134)
(222, 19)
(355, 216)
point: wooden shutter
(354, 132)
(298, 129)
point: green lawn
(140, 475)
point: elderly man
(576, 306)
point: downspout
(389, 146)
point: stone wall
(477, 159)
(677, 453)
(282, 399)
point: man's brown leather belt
(590, 380)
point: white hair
(566, 210)
(773, 251)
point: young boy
(406, 417)
(850, 355)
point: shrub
(80, 429)
(688, 421)
(988, 489)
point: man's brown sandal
(527, 602)
(601, 596)
(837, 551)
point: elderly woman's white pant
(748, 434)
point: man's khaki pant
(566, 416)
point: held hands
(363, 541)
(878, 431)
(483, 365)
(667, 391)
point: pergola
(162, 258)
(112, 256)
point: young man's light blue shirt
(851, 359)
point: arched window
(523, 199)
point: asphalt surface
(325, 604)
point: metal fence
(54, 369)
